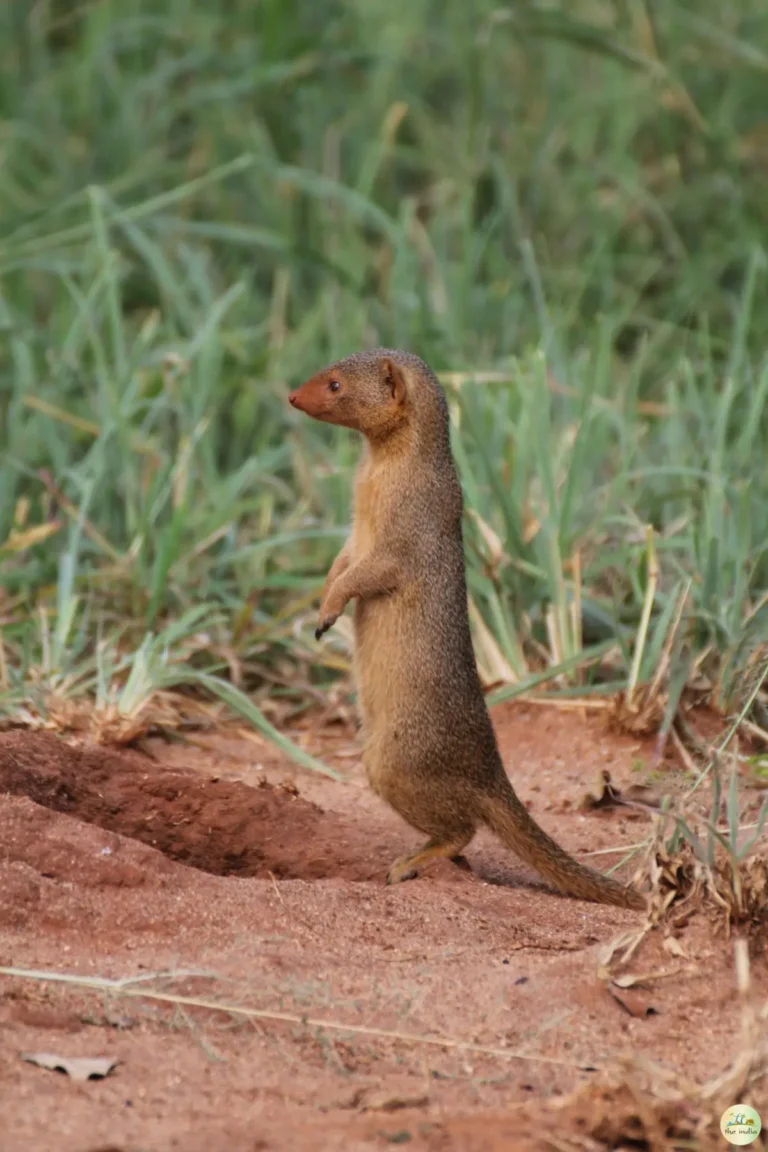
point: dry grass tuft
(109, 725)
(682, 882)
(641, 1105)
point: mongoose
(429, 748)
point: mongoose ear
(395, 380)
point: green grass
(200, 204)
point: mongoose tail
(510, 820)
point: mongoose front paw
(326, 623)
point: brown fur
(429, 748)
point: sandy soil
(249, 882)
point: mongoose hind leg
(407, 867)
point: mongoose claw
(394, 876)
(324, 625)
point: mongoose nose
(292, 398)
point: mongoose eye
(334, 385)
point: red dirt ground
(265, 882)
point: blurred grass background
(561, 206)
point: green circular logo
(740, 1124)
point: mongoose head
(376, 392)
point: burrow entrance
(224, 827)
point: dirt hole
(224, 827)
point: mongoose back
(429, 748)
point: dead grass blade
(126, 988)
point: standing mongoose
(430, 750)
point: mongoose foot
(407, 867)
(400, 871)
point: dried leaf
(607, 797)
(643, 796)
(674, 947)
(643, 715)
(624, 941)
(634, 1002)
(351, 1099)
(370, 1098)
(389, 1102)
(627, 980)
(76, 1067)
(636, 796)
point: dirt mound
(220, 826)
